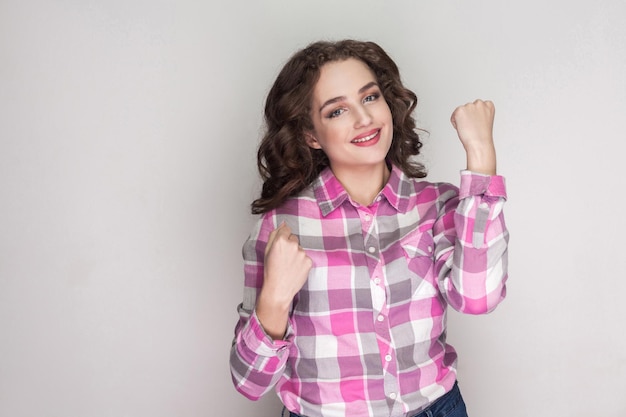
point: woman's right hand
(474, 125)
(286, 269)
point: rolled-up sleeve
(471, 244)
(256, 361)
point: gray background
(128, 132)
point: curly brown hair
(285, 161)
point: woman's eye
(335, 113)
(371, 97)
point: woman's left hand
(474, 125)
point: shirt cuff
(260, 343)
(475, 184)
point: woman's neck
(363, 185)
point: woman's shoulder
(300, 205)
(409, 187)
(431, 193)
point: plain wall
(128, 132)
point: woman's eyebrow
(367, 86)
(340, 98)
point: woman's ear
(311, 141)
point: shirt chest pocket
(418, 248)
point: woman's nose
(362, 116)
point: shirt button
(376, 281)
(371, 249)
(393, 395)
(368, 217)
(388, 358)
(430, 249)
(381, 318)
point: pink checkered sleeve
(471, 245)
(256, 361)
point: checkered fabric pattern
(367, 332)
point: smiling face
(352, 122)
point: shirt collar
(398, 189)
(330, 194)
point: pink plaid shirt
(367, 332)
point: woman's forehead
(341, 78)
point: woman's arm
(275, 269)
(470, 234)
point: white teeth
(366, 138)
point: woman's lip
(367, 139)
(371, 135)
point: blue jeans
(450, 405)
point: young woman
(354, 261)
